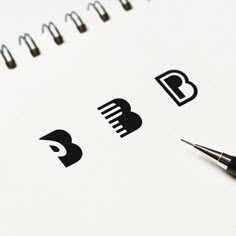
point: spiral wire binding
(8, 58)
(99, 8)
(126, 5)
(81, 26)
(57, 37)
(34, 50)
(54, 31)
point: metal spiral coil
(126, 5)
(55, 33)
(101, 11)
(80, 25)
(30, 43)
(53, 30)
(8, 58)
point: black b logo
(71, 153)
(118, 112)
(172, 81)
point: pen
(225, 161)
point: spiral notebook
(92, 113)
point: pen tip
(191, 144)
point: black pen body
(232, 166)
(225, 161)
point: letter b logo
(178, 86)
(68, 152)
(119, 115)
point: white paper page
(147, 183)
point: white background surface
(148, 183)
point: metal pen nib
(225, 161)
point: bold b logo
(178, 86)
(119, 115)
(61, 143)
